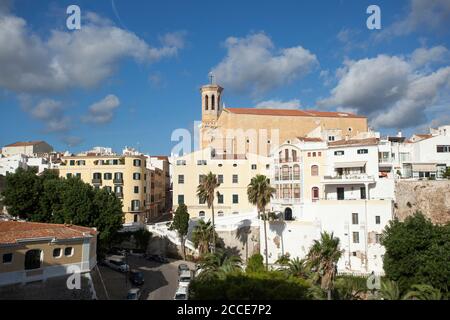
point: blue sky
(132, 74)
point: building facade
(252, 130)
(125, 175)
(233, 172)
(28, 148)
(38, 251)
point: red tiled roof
(24, 143)
(292, 112)
(308, 139)
(11, 231)
(161, 157)
(354, 142)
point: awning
(352, 164)
(424, 167)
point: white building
(422, 156)
(333, 186)
(12, 163)
(29, 148)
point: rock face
(430, 197)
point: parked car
(157, 258)
(185, 278)
(181, 293)
(134, 294)
(137, 277)
(117, 263)
(182, 267)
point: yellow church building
(243, 130)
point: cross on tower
(211, 77)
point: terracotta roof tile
(24, 143)
(354, 142)
(11, 231)
(292, 112)
(309, 139)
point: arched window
(314, 170)
(285, 172)
(315, 194)
(294, 155)
(33, 259)
(206, 102)
(201, 214)
(213, 102)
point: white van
(185, 278)
(182, 293)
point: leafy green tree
(180, 224)
(255, 263)
(259, 193)
(423, 292)
(266, 285)
(205, 192)
(48, 198)
(142, 237)
(323, 257)
(447, 173)
(417, 252)
(202, 235)
(22, 192)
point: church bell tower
(211, 103)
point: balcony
(119, 195)
(118, 181)
(287, 160)
(96, 181)
(348, 179)
(286, 201)
(135, 209)
(289, 177)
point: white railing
(162, 229)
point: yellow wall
(289, 127)
(127, 168)
(18, 262)
(191, 172)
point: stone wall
(431, 197)
(243, 241)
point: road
(161, 280)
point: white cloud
(390, 90)
(422, 15)
(81, 59)
(102, 111)
(424, 56)
(50, 112)
(72, 141)
(278, 104)
(253, 65)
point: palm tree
(389, 290)
(201, 236)
(259, 193)
(205, 192)
(298, 268)
(220, 263)
(323, 257)
(423, 292)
